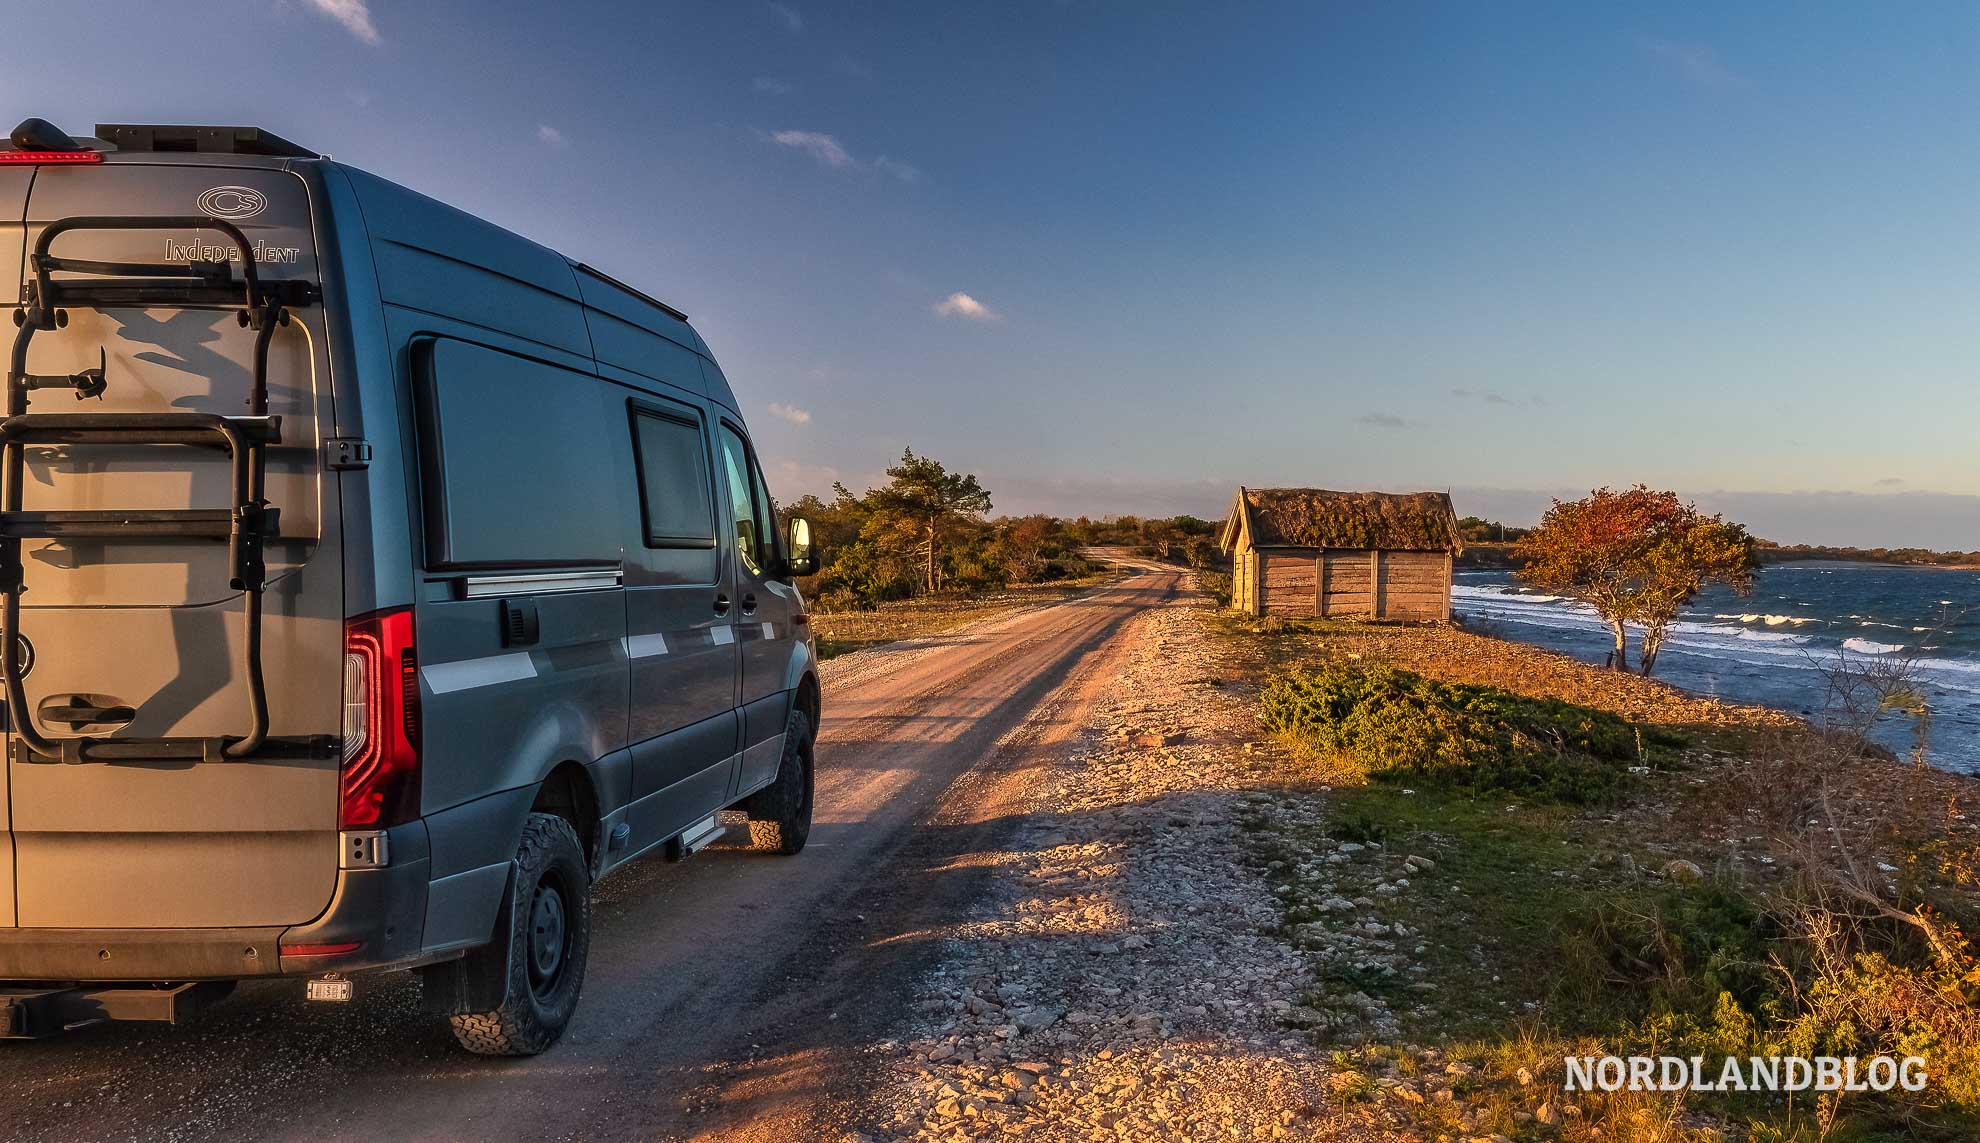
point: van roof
(183, 144)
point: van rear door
(143, 638)
(13, 212)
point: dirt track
(732, 997)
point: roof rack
(183, 138)
(642, 295)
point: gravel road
(737, 996)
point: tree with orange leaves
(1637, 557)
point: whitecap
(1870, 646)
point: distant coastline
(1491, 555)
(1892, 557)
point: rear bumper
(380, 911)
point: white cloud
(770, 85)
(829, 152)
(790, 413)
(793, 21)
(962, 305)
(354, 15)
(549, 135)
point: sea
(1782, 645)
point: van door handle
(721, 605)
(83, 710)
(749, 604)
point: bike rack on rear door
(246, 523)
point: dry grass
(840, 632)
(1453, 655)
(1843, 884)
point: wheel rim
(804, 782)
(549, 936)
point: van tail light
(50, 158)
(338, 948)
(380, 781)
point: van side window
(489, 501)
(673, 480)
(749, 531)
(766, 518)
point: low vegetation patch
(1395, 725)
(1488, 890)
(1216, 584)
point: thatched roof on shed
(1317, 518)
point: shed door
(1415, 585)
(1347, 582)
(1288, 582)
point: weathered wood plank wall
(1348, 582)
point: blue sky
(1122, 257)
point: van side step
(696, 838)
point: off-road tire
(536, 1011)
(780, 813)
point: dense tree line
(1175, 539)
(1478, 530)
(1780, 553)
(928, 531)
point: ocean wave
(1771, 637)
(1769, 620)
(1870, 646)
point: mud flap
(479, 981)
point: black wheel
(547, 946)
(780, 813)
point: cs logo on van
(232, 202)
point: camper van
(373, 581)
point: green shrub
(1216, 583)
(1682, 950)
(1395, 726)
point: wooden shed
(1307, 551)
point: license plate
(334, 991)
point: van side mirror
(803, 557)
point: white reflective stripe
(646, 646)
(769, 630)
(445, 678)
(722, 635)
